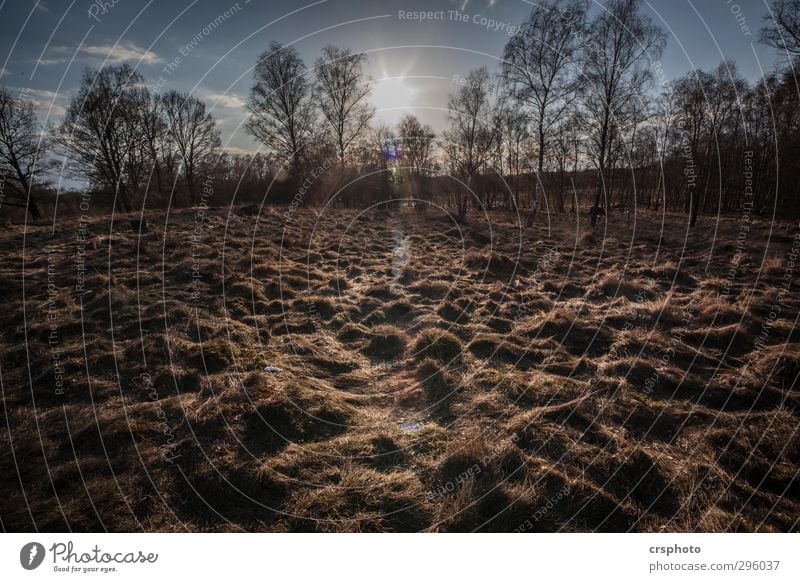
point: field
(394, 370)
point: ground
(277, 369)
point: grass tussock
(437, 344)
(437, 384)
(385, 343)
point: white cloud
(226, 100)
(125, 51)
(233, 150)
(49, 110)
(40, 93)
(45, 102)
(56, 61)
(113, 54)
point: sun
(393, 98)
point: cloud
(46, 62)
(124, 51)
(51, 111)
(237, 151)
(45, 102)
(97, 53)
(39, 93)
(53, 50)
(226, 100)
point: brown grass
(459, 388)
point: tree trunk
(601, 166)
(34, 209)
(463, 199)
(190, 186)
(596, 208)
(539, 170)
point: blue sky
(194, 45)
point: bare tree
(417, 140)
(782, 30)
(664, 112)
(538, 67)
(282, 114)
(101, 131)
(692, 123)
(195, 133)
(470, 140)
(562, 155)
(343, 96)
(157, 143)
(514, 143)
(709, 104)
(417, 150)
(22, 146)
(137, 158)
(373, 147)
(615, 73)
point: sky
(209, 48)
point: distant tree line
(579, 117)
(578, 98)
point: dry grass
(455, 386)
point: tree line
(578, 117)
(583, 115)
